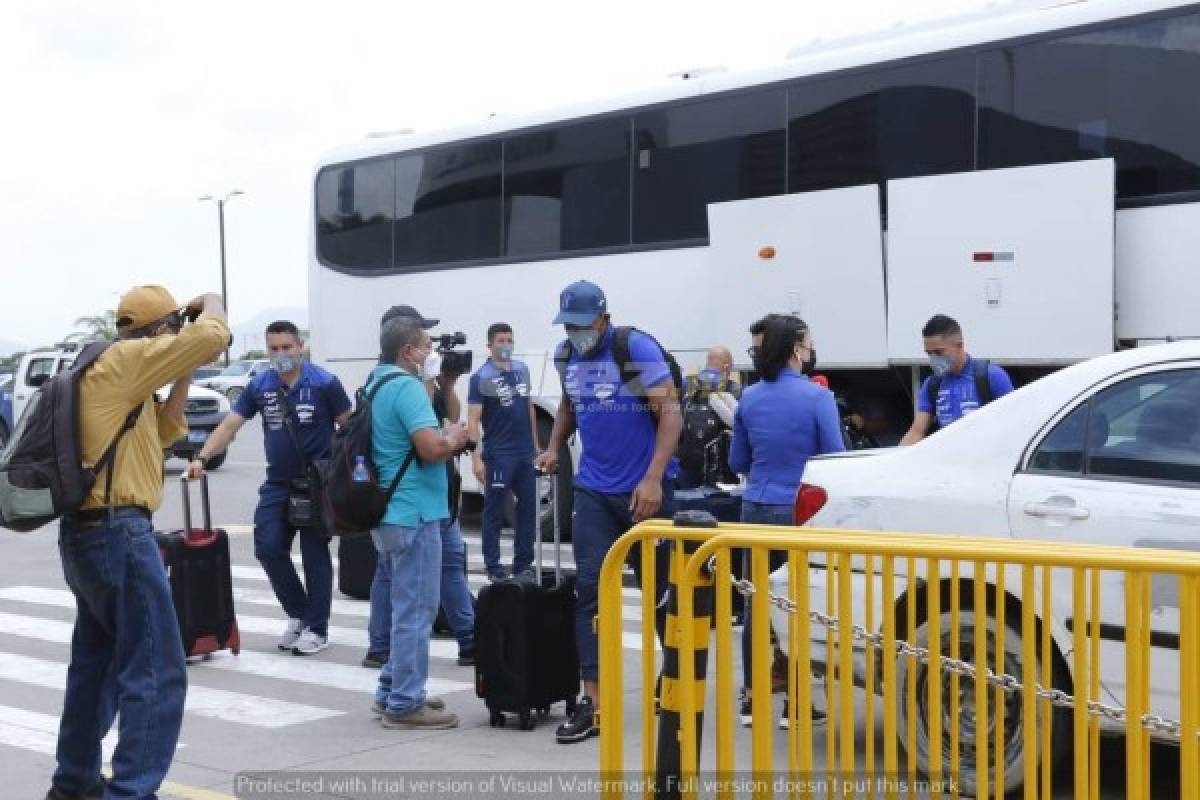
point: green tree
(103, 326)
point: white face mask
(431, 368)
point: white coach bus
(1033, 172)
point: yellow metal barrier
(986, 660)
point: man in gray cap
(455, 593)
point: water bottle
(361, 474)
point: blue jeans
(759, 514)
(598, 520)
(126, 656)
(412, 557)
(273, 538)
(505, 474)
(454, 592)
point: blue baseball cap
(580, 304)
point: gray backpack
(42, 475)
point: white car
(234, 379)
(1103, 452)
(205, 408)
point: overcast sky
(120, 114)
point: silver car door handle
(1054, 510)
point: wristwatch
(203, 461)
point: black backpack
(630, 375)
(704, 445)
(349, 506)
(983, 388)
(42, 475)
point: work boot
(423, 718)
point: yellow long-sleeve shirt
(127, 374)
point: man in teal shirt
(409, 537)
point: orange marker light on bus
(767, 252)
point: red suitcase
(198, 565)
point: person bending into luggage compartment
(406, 436)
(300, 404)
(126, 652)
(455, 594)
(780, 423)
(499, 399)
(959, 384)
(629, 430)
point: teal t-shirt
(401, 407)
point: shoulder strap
(620, 351)
(379, 384)
(108, 460)
(983, 385)
(287, 423)
(412, 452)
(89, 355)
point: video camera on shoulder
(457, 362)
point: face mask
(283, 363)
(584, 341)
(940, 364)
(504, 353)
(709, 378)
(432, 367)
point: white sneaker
(291, 633)
(309, 643)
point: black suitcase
(357, 559)
(525, 658)
(723, 505)
(198, 564)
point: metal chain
(1055, 697)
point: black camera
(455, 362)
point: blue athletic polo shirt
(956, 395)
(616, 427)
(317, 400)
(504, 395)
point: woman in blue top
(781, 422)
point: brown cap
(142, 305)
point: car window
(1144, 428)
(1062, 451)
(237, 369)
(1152, 428)
(39, 368)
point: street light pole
(221, 229)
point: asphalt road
(265, 712)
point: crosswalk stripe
(245, 709)
(284, 666)
(313, 671)
(30, 730)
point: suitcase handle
(551, 479)
(205, 509)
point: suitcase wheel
(528, 721)
(496, 719)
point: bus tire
(1015, 751)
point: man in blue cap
(621, 392)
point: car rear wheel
(1015, 748)
(3, 435)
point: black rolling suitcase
(525, 658)
(198, 564)
(357, 559)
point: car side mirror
(36, 380)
